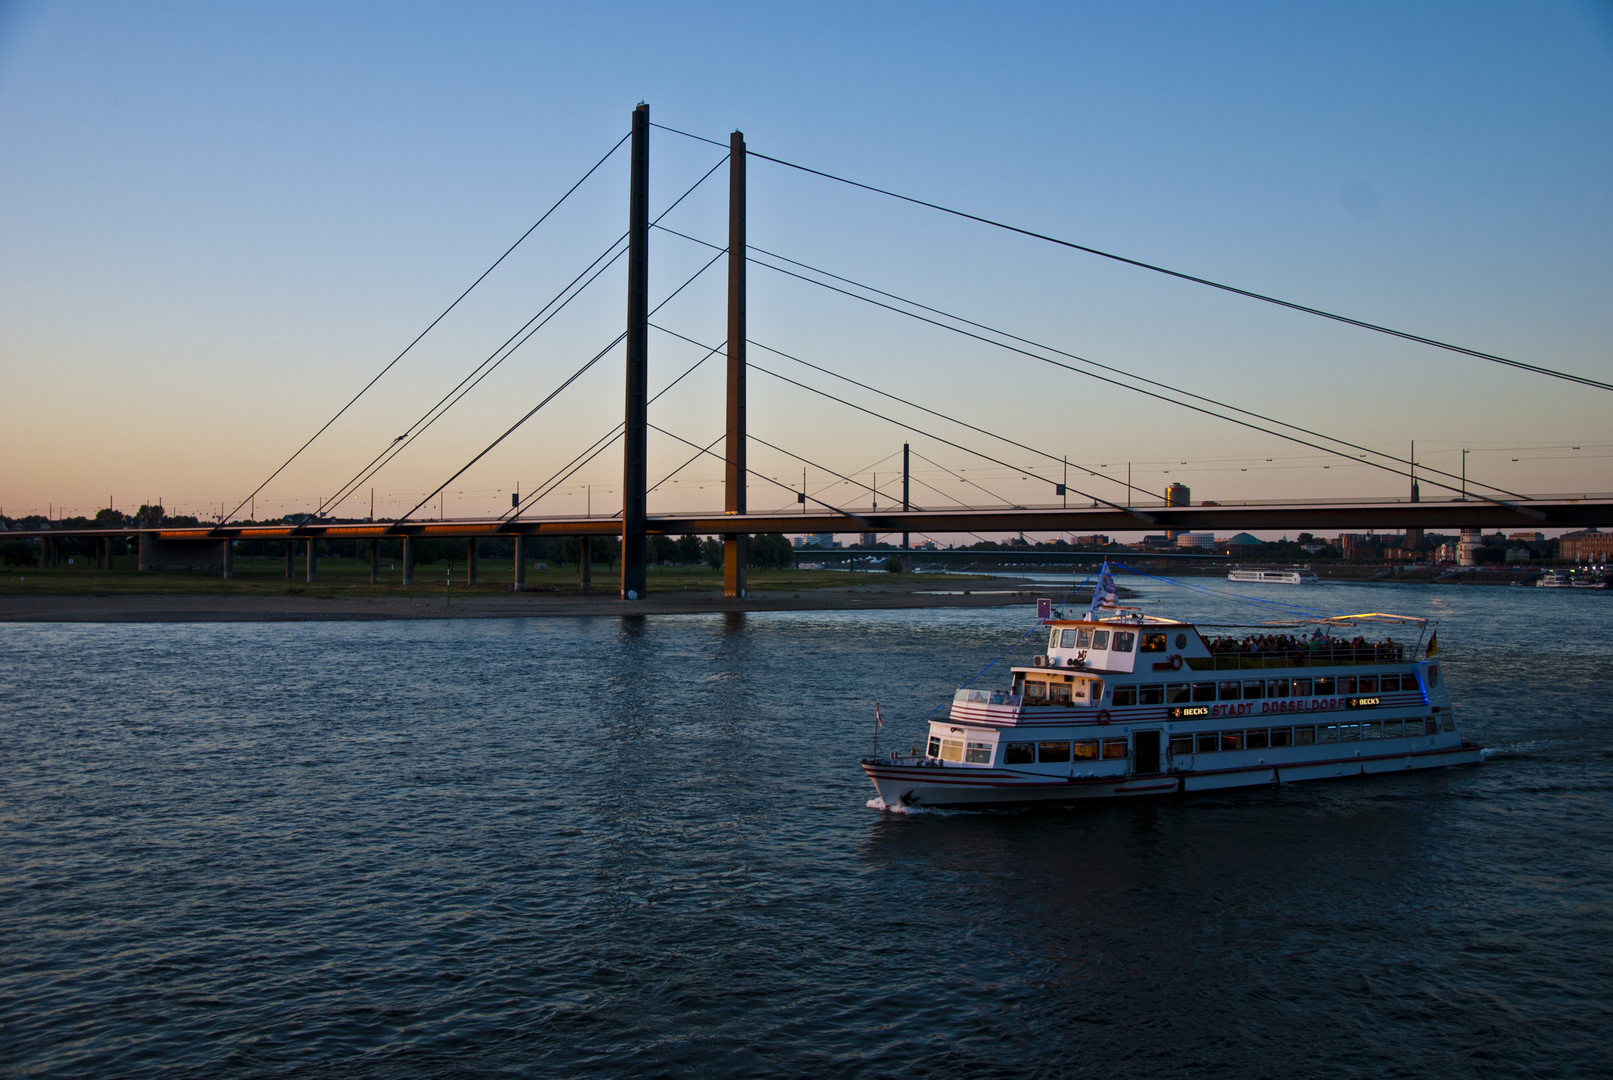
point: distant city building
(1095, 540)
(1446, 552)
(1528, 537)
(1200, 540)
(1178, 495)
(1240, 544)
(1154, 540)
(1467, 548)
(817, 540)
(1586, 545)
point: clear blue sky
(218, 221)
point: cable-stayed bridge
(1455, 502)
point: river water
(642, 847)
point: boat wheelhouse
(1297, 575)
(1137, 705)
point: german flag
(1433, 644)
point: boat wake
(1522, 749)
(876, 803)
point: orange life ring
(1176, 662)
(1103, 716)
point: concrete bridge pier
(229, 559)
(313, 559)
(520, 564)
(148, 551)
(408, 560)
(470, 561)
(288, 560)
(375, 562)
(585, 570)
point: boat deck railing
(1323, 657)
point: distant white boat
(1296, 576)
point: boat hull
(918, 785)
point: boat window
(1276, 688)
(1061, 693)
(1067, 638)
(1035, 691)
(1019, 753)
(1150, 695)
(1431, 726)
(1302, 688)
(1232, 740)
(1327, 733)
(978, 753)
(951, 749)
(1349, 732)
(1124, 640)
(1052, 639)
(1255, 689)
(1125, 695)
(1181, 744)
(1181, 641)
(1230, 691)
(1433, 674)
(1100, 639)
(1324, 686)
(1050, 752)
(1084, 750)
(1346, 684)
(1153, 643)
(1083, 639)
(1209, 742)
(1097, 689)
(1392, 729)
(1390, 683)
(1448, 722)
(935, 746)
(1114, 748)
(1304, 736)
(1204, 691)
(1372, 729)
(1368, 684)
(1257, 740)
(1178, 693)
(1280, 736)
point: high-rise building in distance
(1177, 495)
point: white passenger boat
(1128, 704)
(1293, 576)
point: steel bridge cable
(569, 380)
(797, 457)
(393, 450)
(478, 373)
(764, 476)
(1105, 367)
(1291, 305)
(434, 322)
(941, 415)
(960, 479)
(1148, 393)
(870, 412)
(608, 438)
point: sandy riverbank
(137, 608)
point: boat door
(1145, 751)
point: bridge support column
(408, 560)
(228, 559)
(470, 561)
(106, 553)
(375, 562)
(289, 570)
(148, 551)
(520, 564)
(313, 559)
(635, 435)
(585, 566)
(734, 474)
